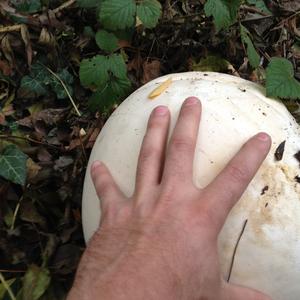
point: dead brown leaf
(32, 169)
(5, 68)
(151, 70)
(26, 39)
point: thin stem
(65, 88)
(15, 137)
(7, 287)
(15, 214)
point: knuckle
(104, 185)
(181, 144)
(154, 125)
(238, 174)
(147, 153)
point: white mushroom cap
(268, 253)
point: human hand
(162, 242)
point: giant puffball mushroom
(259, 245)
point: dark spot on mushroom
(205, 74)
(264, 113)
(243, 90)
(233, 119)
(297, 178)
(279, 151)
(263, 191)
(266, 205)
(297, 156)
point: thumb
(235, 292)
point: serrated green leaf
(280, 80)
(13, 164)
(94, 71)
(252, 54)
(35, 282)
(117, 65)
(110, 95)
(106, 41)
(149, 11)
(88, 3)
(260, 4)
(224, 12)
(118, 14)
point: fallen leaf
(160, 89)
(32, 169)
(26, 39)
(151, 70)
(5, 68)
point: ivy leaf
(149, 11)
(88, 3)
(280, 80)
(224, 12)
(260, 4)
(36, 81)
(106, 41)
(35, 282)
(27, 6)
(252, 54)
(13, 164)
(93, 71)
(57, 87)
(118, 14)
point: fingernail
(96, 164)
(161, 111)
(263, 137)
(191, 101)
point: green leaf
(280, 81)
(35, 282)
(117, 65)
(252, 54)
(57, 87)
(118, 14)
(224, 12)
(27, 6)
(260, 4)
(88, 3)
(110, 95)
(36, 81)
(106, 41)
(94, 71)
(13, 165)
(149, 11)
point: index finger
(230, 184)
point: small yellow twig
(7, 287)
(5, 29)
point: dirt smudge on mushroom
(263, 191)
(297, 156)
(279, 151)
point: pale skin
(161, 243)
